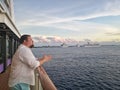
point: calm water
(83, 68)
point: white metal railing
(42, 80)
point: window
(8, 50)
(0, 49)
(8, 45)
(1, 53)
(7, 2)
(8, 6)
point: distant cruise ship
(64, 45)
(91, 45)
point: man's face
(29, 42)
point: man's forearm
(42, 60)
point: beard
(31, 46)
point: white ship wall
(7, 15)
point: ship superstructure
(9, 41)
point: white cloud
(110, 8)
(48, 20)
(52, 40)
(57, 41)
(70, 24)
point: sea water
(83, 68)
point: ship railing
(42, 80)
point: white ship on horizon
(64, 45)
(91, 45)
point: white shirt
(22, 67)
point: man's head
(27, 41)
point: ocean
(83, 68)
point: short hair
(23, 37)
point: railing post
(37, 82)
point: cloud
(112, 5)
(46, 21)
(110, 8)
(52, 39)
(80, 26)
(57, 41)
(70, 23)
(40, 39)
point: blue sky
(96, 20)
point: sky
(69, 20)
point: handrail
(46, 82)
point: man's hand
(45, 58)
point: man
(23, 65)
